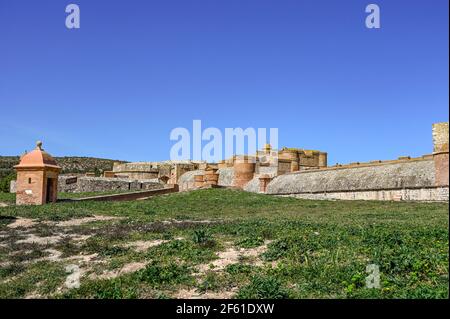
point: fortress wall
(137, 167)
(137, 175)
(138, 170)
(67, 184)
(187, 182)
(253, 185)
(441, 163)
(417, 194)
(440, 137)
(408, 179)
(101, 184)
(271, 170)
(395, 175)
(226, 176)
(440, 153)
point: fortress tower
(440, 153)
(37, 178)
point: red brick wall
(30, 188)
(441, 169)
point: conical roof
(37, 158)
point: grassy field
(220, 243)
(7, 197)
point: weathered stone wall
(102, 184)
(138, 170)
(30, 187)
(186, 181)
(178, 169)
(226, 176)
(303, 159)
(440, 153)
(253, 185)
(441, 166)
(413, 173)
(271, 170)
(408, 194)
(134, 167)
(137, 175)
(405, 179)
(440, 137)
(309, 158)
(284, 167)
(67, 184)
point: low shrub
(263, 288)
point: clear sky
(135, 70)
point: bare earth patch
(33, 239)
(55, 255)
(49, 240)
(126, 269)
(143, 245)
(176, 221)
(22, 223)
(193, 294)
(93, 267)
(84, 220)
(73, 280)
(28, 223)
(84, 258)
(232, 255)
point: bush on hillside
(6, 181)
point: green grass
(90, 194)
(11, 198)
(318, 249)
(7, 198)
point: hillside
(69, 164)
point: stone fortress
(305, 174)
(286, 172)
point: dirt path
(194, 294)
(21, 222)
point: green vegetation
(11, 198)
(7, 198)
(300, 248)
(5, 182)
(263, 287)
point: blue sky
(135, 70)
